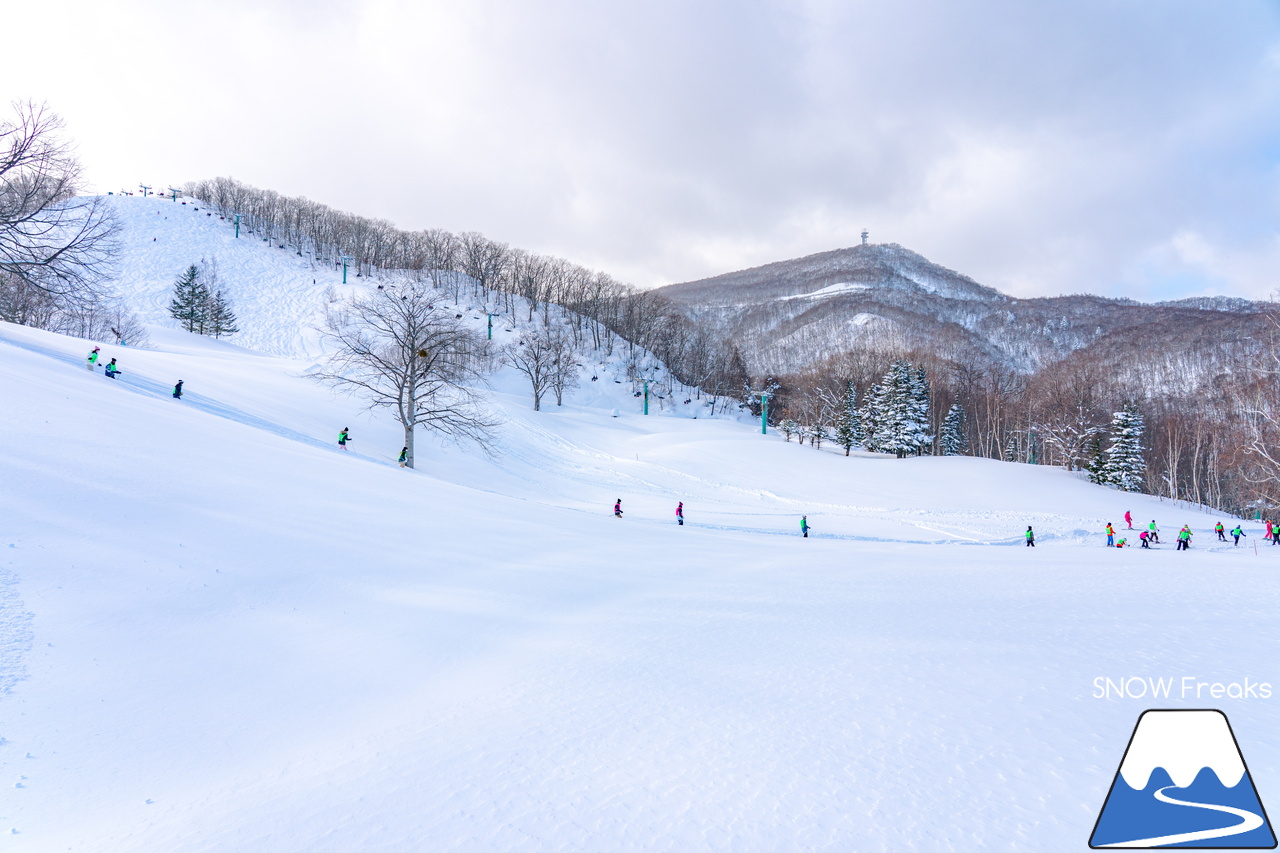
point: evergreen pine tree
(1097, 460)
(919, 437)
(870, 418)
(190, 303)
(816, 433)
(896, 431)
(847, 428)
(952, 436)
(1125, 465)
(221, 319)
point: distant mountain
(787, 315)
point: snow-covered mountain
(791, 314)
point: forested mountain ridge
(788, 315)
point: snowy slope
(217, 631)
(278, 296)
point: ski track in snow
(15, 628)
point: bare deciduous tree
(403, 354)
(50, 240)
(535, 357)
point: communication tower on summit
(865, 235)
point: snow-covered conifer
(849, 425)
(952, 438)
(1125, 465)
(871, 418)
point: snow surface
(219, 632)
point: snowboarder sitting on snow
(680, 513)
(617, 508)
(404, 456)
(343, 438)
(1236, 534)
(91, 360)
(1031, 537)
(1143, 539)
(1221, 531)
(1184, 538)
(112, 370)
(804, 525)
(177, 390)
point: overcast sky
(1124, 148)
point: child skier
(617, 508)
(91, 360)
(343, 438)
(111, 369)
(1236, 534)
(404, 456)
(1143, 539)
(1184, 538)
(1111, 535)
(804, 525)
(1221, 531)
(1123, 543)
(680, 513)
(1031, 537)
(177, 390)
(1153, 531)
(1128, 519)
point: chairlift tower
(145, 190)
(174, 192)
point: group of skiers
(344, 435)
(617, 513)
(112, 370)
(1183, 540)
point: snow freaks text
(1185, 687)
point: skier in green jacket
(1184, 538)
(91, 361)
(1221, 531)
(404, 456)
(1031, 537)
(343, 438)
(1236, 534)
(804, 525)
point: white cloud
(1038, 148)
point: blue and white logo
(1183, 783)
